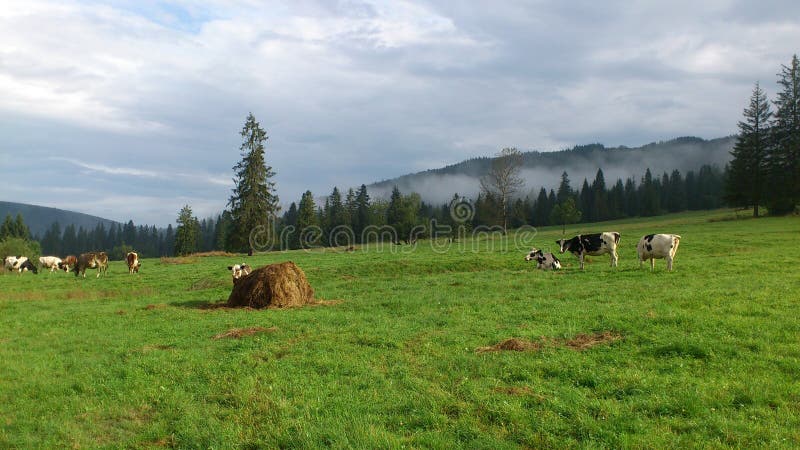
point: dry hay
(214, 253)
(584, 341)
(516, 391)
(237, 333)
(580, 342)
(273, 286)
(512, 344)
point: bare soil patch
(580, 342)
(583, 341)
(237, 333)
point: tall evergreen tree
(188, 232)
(362, 217)
(748, 167)
(600, 201)
(784, 156)
(253, 202)
(564, 189)
(306, 217)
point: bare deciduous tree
(503, 179)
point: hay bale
(273, 286)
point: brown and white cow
(67, 262)
(593, 245)
(239, 270)
(91, 260)
(658, 246)
(132, 258)
(50, 262)
(86, 261)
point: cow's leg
(580, 257)
(652, 264)
(669, 263)
(614, 258)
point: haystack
(272, 286)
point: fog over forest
(543, 169)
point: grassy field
(705, 356)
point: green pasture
(706, 356)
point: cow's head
(562, 245)
(239, 271)
(534, 254)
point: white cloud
(357, 91)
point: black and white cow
(658, 246)
(20, 264)
(544, 261)
(593, 245)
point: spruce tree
(253, 202)
(748, 168)
(784, 156)
(362, 217)
(187, 233)
(306, 217)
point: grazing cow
(50, 262)
(68, 261)
(544, 261)
(239, 271)
(86, 261)
(592, 245)
(132, 258)
(23, 264)
(659, 246)
(102, 263)
(10, 262)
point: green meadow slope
(708, 355)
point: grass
(705, 356)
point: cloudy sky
(130, 109)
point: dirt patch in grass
(236, 333)
(348, 277)
(512, 344)
(121, 312)
(583, 341)
(578, 343)
(81, 294)
(514, 390)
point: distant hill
(40, 218)
(543, 169)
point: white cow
(659, 246)
(239, 270)
(50, 262)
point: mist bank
(543, 169)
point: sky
(131, 109)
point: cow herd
(650, 247)
(77, 264)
